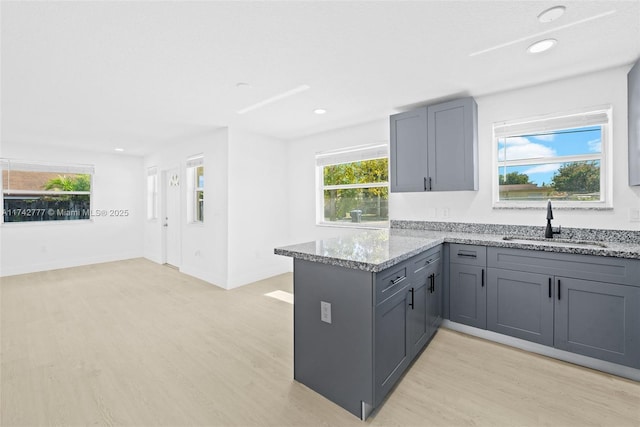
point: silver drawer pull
(397, 280)
(467, 255)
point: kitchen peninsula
(366, 305)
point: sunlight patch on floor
(281, 295)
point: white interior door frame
(170, 216)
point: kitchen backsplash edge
(594, 234)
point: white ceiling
(139, 75)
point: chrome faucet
(548, 232)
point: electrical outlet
(634, 215)
(445, 212)
(325, 311)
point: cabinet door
(598, 319)
(434, 299)
(408, 154)
(452, 145)
(520, 304)
(419, 331)
(392, 350)
(468, 296)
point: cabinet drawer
(590, 267)
(390, 281)
(468, 254)
(422, 262)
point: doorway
(171, 216)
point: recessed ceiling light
(320, 111)
(542, 45)
(551, 14)
(243, 85)
(544, 33)
(119, 150)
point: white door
(171, 216)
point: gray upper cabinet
(409, 151)
(633, 86)
(452, 129)
(434, 148)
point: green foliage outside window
(513, 178)
(371, 202)
(80, 182)
(578, 177)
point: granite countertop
(377, 250)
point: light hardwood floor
(138, 344)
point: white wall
(258, 214)
(244, 210)
(302, 176)
(31, 247)
(606, 87)
(203, 247)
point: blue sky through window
(545, 146)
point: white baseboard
(578, 359)
(6, 271)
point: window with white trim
(152, 193)
(36, 192)
(195, 189)
(353, 186)
(561, 157)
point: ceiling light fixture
(542, 46)
(542, 33)
(320, 111)
(551, 14)
(243, 85)
(275, 98)
(119, 150)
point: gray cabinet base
(589, 362)
(334, 359)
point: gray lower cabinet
(419, 321)
(434, 148)
(551, 299)
(434, 298)
(393, 341)
(356, 332)
(520, 304)
(600, 320)
(425, 302)
(467, 290)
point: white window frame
(601, 115)
(152, 193)
(346, 155)
(193, 188)
(35, 166)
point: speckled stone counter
(377, 250)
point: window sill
(355, 225)
(556, 206)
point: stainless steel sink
(555, 242)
